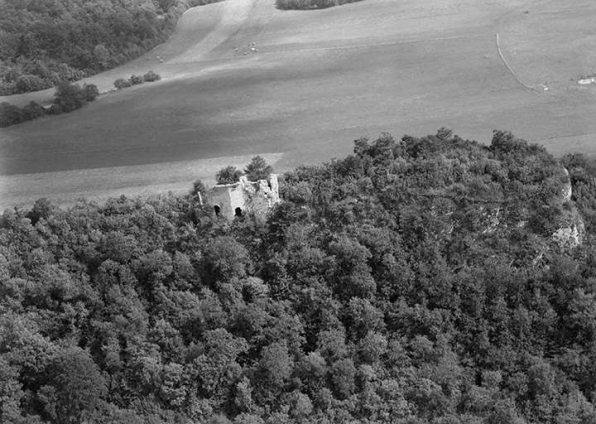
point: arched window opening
(238, 212)
(217, 210)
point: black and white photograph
(297, 212)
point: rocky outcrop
(568, 237)
(492, 220)
(567, 190)
(571, 235)
(571, 232)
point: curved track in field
(319, 80)
(551, 44)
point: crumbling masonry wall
(258, 197)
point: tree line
(43, 42)
(67, 98)
(257, 169)
(413, 281)
(309, 4)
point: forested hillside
(45, 41)
(414, 281)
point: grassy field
(319, 80)
(136, 180)
(552, 44)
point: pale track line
(509, 67)
(561, 137)
(315, 49)
(177, 76)
(360, 46)
(235, 15)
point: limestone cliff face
(495, 217)
(569, 237)
(567, 190)
(572, 230)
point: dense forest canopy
(45, 41)
(415, 281)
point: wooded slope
(414, 281)
(45, 41)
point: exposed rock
(492, 221)
(567, 190)
(572, 229)
(571, 236)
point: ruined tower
(231, 200)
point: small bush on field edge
(309, 4)
(150, 76)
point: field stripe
(110, 150)
(389, 43)
(64, 187)
(316, 49)
(235, 15)
(564, 136)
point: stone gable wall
(256, 197)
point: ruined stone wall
(226, 198)
(245, 196)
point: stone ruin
(232, 200)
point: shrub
(91, 92)
(7, 88)
(69, 96)
(55, 109)
(193, 3)
(33, 110)
(136, 80)
(309, 4)
(258, 169)
(121, 83)
(27, 83)
(151, 76)
(42, 208)
(228, 175)
(10, 114)
(198, 187)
